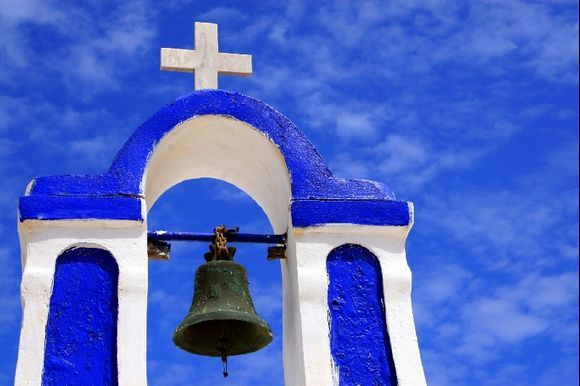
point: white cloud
(345, 165)
(511, 226)
(508, 277)
(512, 313)
(516, 242)
(220, 15)
(368, 42)
(267, 299)
(401, 154)
(471, 324)
(94, 153)
(9, 280)
(355, 125)
(164, 373)
(498, 320)
(451, 133)
(95, 49)
(29, 10)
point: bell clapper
(225, 364)
(223, 347)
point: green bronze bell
(222, 320)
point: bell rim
(250, 319)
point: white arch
(224, 148)
(227, 149)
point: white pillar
(41, 244)
(308, 360)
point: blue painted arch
(317, 197)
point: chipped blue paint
(61, 207)
(359, 342)
(309, 175)
(81, 333)
(365, 212)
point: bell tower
(84, 242)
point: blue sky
(468, 109)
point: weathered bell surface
(222, 320)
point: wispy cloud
(513, 224)
(9, 301)
(464, 107)
(406, 47)
(506, 285)
(95, 48)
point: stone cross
(206, 62)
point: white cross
(206, 62)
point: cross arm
(175, 59)
(234, 64)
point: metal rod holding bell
(232, 235)
(158, 247)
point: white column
(41, 244)
(308, 361)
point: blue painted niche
(359, 342)
(81, 333)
